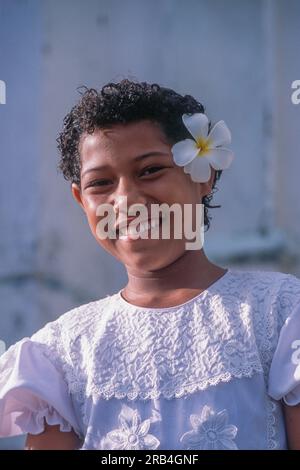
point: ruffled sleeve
(284, 376)
(32, 391)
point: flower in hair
(206, 149)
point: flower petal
(144, 428)
(126, 417)
(220, 158)
(151, 442)
(117, 437)
(228, 444)
(229, 431)
(184, 151)
(187, 168)
(196, 124)
(205, 426)
(206, 413)
(200, 170)
(220, 135)
(195, 421)
(191, 440)
(221, 420)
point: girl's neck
(177, 283)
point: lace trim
(176, 393)
(271, 424)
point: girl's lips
(124, 223)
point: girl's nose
(127, 194)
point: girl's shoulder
(262, 279)
(75, 322)
(270, 286)
(272, 296)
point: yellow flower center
(203, 146)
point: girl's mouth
(140, 231)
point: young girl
(188, 355)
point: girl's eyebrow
(138, 158)
(149, 154)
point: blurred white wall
(238, 57)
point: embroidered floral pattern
(132, 434)
(210, 431)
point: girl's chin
(152, 258)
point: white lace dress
(206, 374)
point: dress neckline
(199, 296)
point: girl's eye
(99, 183)
(104, 182)
(152, 169)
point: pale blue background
(239, 57)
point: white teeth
(139, 228)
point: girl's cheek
(92, 202)
(91, 206)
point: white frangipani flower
(207, 149)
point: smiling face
(134, 160)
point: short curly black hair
(124, 102)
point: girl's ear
(76, 192)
